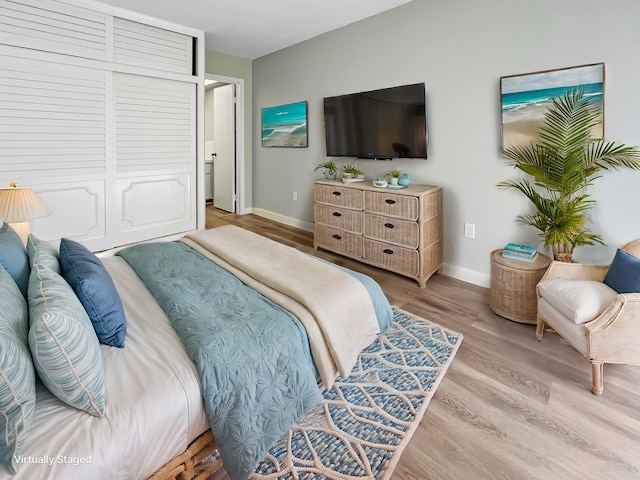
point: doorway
(224, 143)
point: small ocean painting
(285, 125)
(525, 99)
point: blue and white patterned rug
(366, 420)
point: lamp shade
(21, 205)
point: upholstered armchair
(590, 308)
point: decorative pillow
(17, 376)
(95, 289)
(64, 347)
(624, 273)
(13, 257)
(579, 300)
(43, 253)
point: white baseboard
(466, 275)
(283, 219)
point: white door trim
(240, 154)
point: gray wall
(460, 50)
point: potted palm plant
(350, 171)
(330, 169)
(562, 165)
(394, 175)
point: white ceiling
(253, 28)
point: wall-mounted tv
(378, 124)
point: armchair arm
(614, 336)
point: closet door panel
(78, 212)
(155, 152)
(55, 27)
(152, 47)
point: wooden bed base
(197, 462)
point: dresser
(398, 230)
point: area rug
(365, 421)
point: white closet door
(53, 138)
(152, 47)
(55, 27)
(155, 157)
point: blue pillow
(17, 375)
(13, 257)
(64, 347)
(624, 273)
(95, 289)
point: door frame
(240, 206)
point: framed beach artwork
(285, 125)
(525, 99)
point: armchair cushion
(624, 273)
(579, 300)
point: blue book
(526, 257)
(520, 248)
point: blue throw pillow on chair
(95, 289)
(624, 273)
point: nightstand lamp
(18, 206)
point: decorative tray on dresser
(398, 230)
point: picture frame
(525, 98)
(285, 125)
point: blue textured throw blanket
(252, 355)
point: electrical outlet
(294, 195)
(469, 230)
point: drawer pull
(389, 225)
(337, 237)
(389, 201)
(336, 214)
(388, 251)
(337, 194)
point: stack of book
(524, 253)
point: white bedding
(153, 409)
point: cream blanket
(335, 308)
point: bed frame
(199, 461)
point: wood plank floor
(509, 407)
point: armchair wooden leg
(539, 328)
(597, 380)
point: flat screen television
(378, 124)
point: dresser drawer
(398, 259)
(343, 218)
(393, 230)
(399, 206)
(339, 196)
(338, 241)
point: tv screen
(379, 124)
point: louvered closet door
(55, 27)
(155, 156)
(52, 137)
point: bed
(155, 422)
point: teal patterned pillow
(43, 253)
(64, 347)
(17, 376)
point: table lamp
(18, 206)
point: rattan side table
(513, 286)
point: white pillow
(579, 300)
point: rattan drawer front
(338, 217)
(393, 230)
(399, 206)
(340, 196)
(399, 259)
(338, 241)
